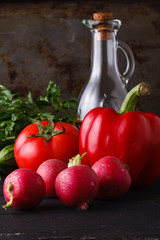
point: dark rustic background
(46, 40)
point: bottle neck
(103, 51)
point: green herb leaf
(7, 160)
(17, 112)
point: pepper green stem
(9, 190)
(76, 160)
(130, 101)
(47, 132)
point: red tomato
(30, 150)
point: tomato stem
(9, 189)
(47, 132)
(129, 103)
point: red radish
(49, 170)
(77, 185)
(23, 189)
(114, 178)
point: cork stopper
(102, 15)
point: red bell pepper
(133, 137)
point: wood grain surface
(134, 216)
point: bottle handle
(130, 61)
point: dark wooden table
(134, 216)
